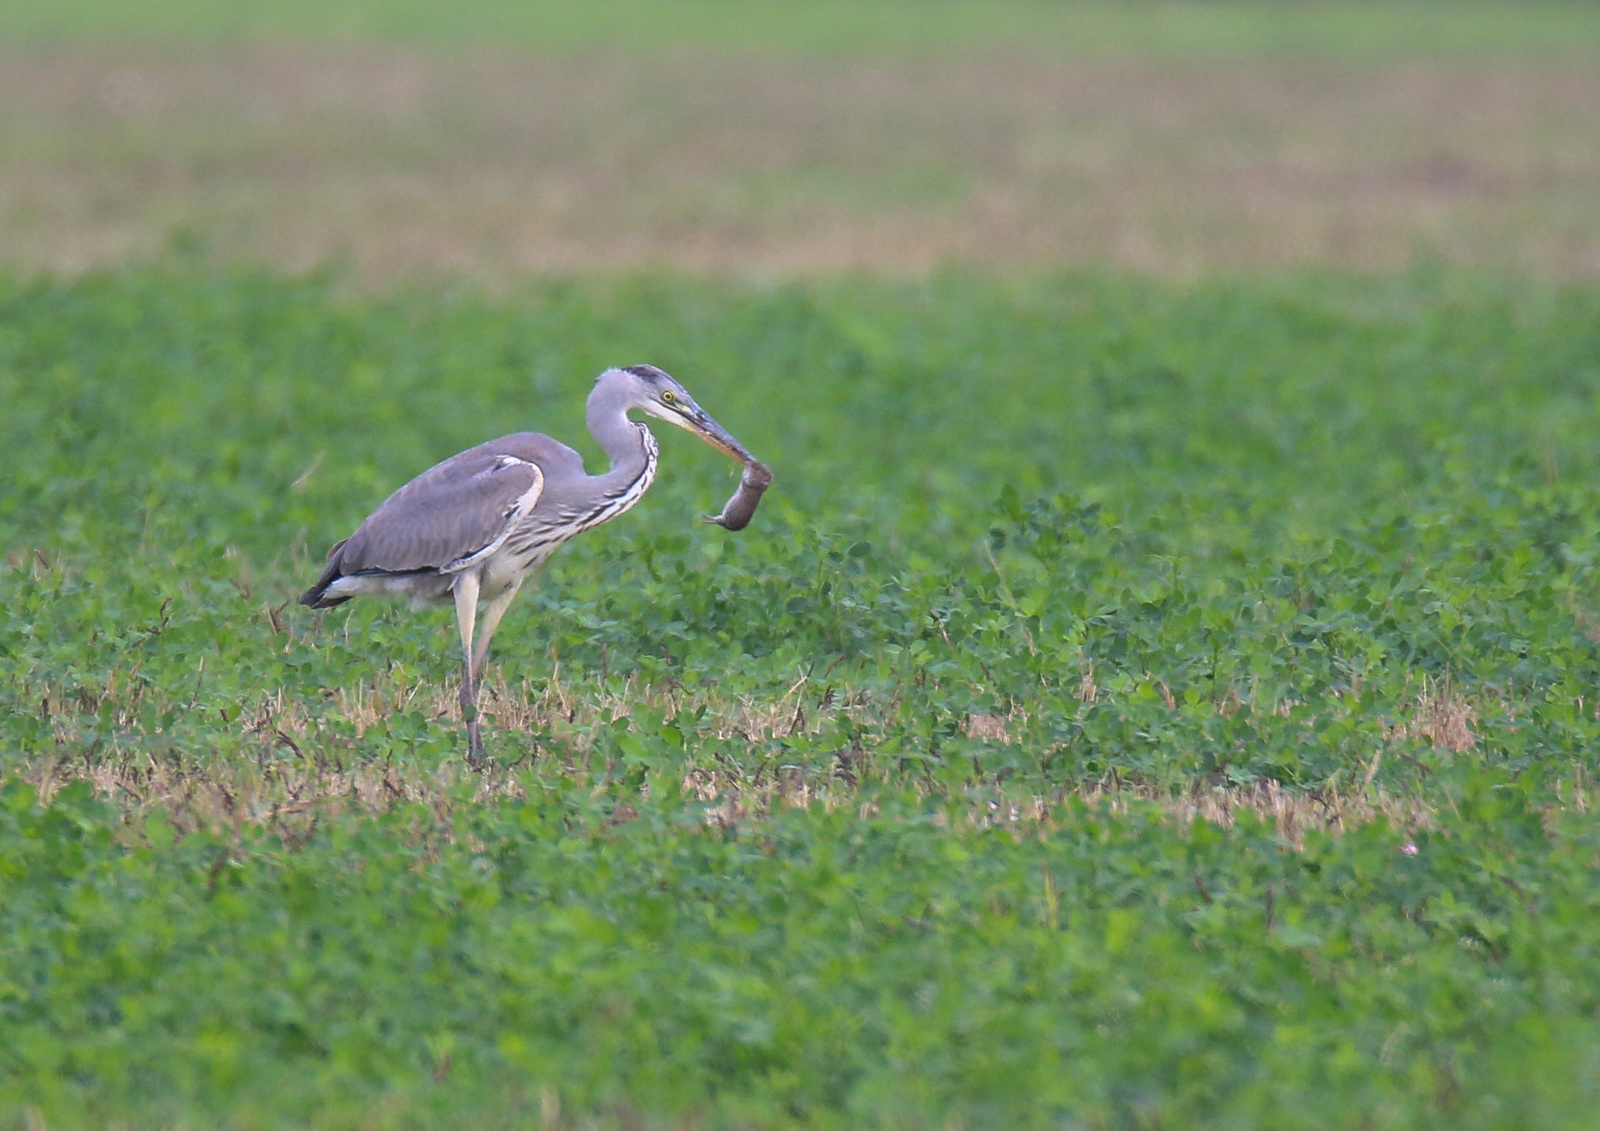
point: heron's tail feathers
(317, 596)
(315, 599)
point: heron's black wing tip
(316, 598)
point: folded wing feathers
(513, 514)
(448, 517)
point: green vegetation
(813, 970)
(876, 814)
(1351, 28)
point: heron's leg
(492, 612)
(466, 594)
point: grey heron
(470, 529)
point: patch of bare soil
(500, 165)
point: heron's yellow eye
(668, 396)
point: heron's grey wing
(451, 515)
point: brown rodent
(741, 507)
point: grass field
(1158, 691)
(831, 28)
(777, 836)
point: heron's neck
(628, 446)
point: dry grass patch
(498, 164)
(1445, 718)
(293, 763)
(293, 800)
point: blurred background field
(871, 27)
(494, 140)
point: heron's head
(659, 394)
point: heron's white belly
(502, 570)
(497, 575)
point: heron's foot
(476, 758)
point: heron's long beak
(716, 435)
